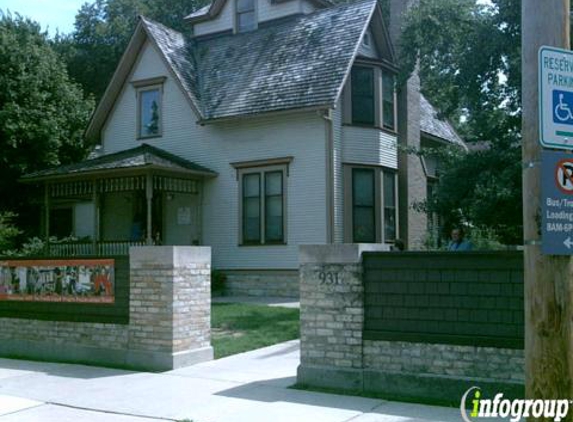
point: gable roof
(433, 125)
(299, 63)
(141, 157)
(295, 63)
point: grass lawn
(237, 327)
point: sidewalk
(248, 387)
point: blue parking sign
(557, 203)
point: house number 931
(329, 278)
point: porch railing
(112, 247)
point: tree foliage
(42, 113)
(8, 232)
(469, 60)
(103, 30)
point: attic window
(149, 121)
(246, 19)
(366, 40)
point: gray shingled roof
(140, 157)
(296, 63)
(179, 51)
(433, 125)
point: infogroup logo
(516, 410)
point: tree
(42, 113)
(102, 31)
(469, 63)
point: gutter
(326, 115)
(318, 109)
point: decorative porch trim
(121, 184)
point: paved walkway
(249, 387)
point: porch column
(149, 197)
(95, 199)
(47, 213)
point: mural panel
(70, 280)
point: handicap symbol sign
(563, 107)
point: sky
(50, 14)
(58, 14)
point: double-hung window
(363, 205)
(370, 205)
(389, 188)
(372, 100)
(363, 96)
(263, 203)
(388, 101)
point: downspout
(329, 148)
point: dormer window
(245, 17)
(149, 113)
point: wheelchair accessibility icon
(563, 107)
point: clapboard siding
(223, 22)
(338, 235)
(266, 11)
(369, 146)
(269, 11)
(300, 135)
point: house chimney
(411, 176)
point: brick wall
(337, 352)
(169, 318)
(269, 283)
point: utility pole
(548, 279)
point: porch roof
(144, 157)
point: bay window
(370, 204)
(370, 98)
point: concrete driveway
(248, 387)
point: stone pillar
(411, 177)
(170, 306)
(332, 315)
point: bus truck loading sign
(556, 98)
(557, 203)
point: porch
(103, 206)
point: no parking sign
(557, 203)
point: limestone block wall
(491, 363)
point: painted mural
(70, 280)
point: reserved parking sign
(556, 98)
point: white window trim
(261, 169)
